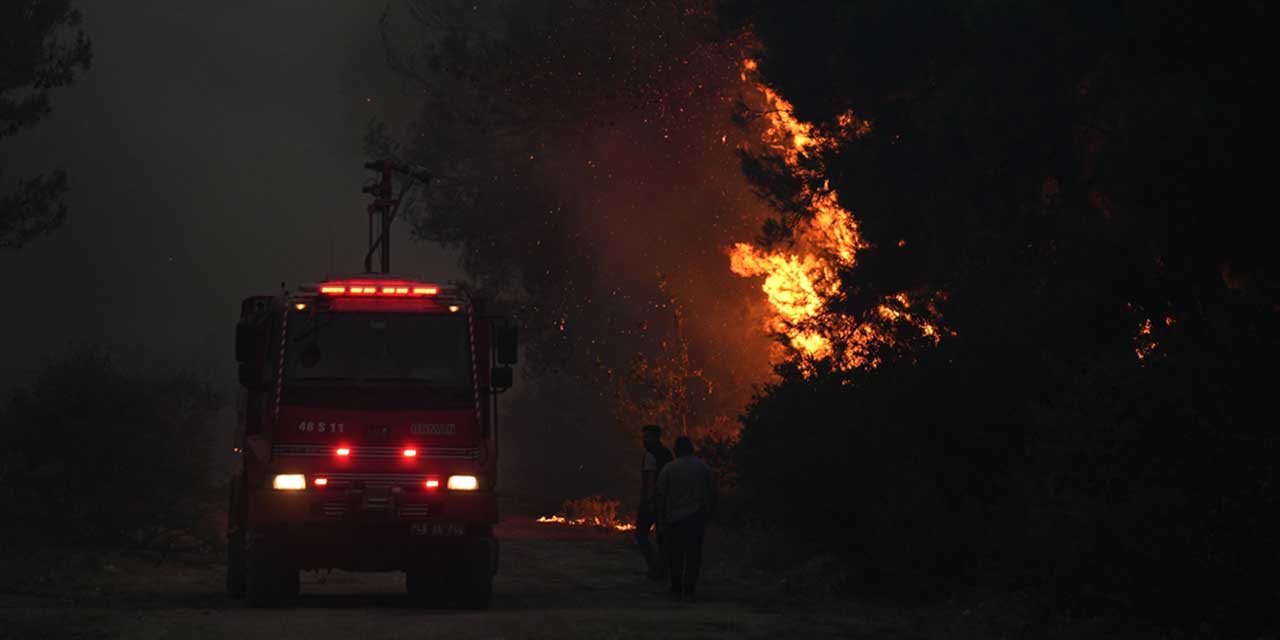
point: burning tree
(1087, 186)
(585, 175)
(814, 240)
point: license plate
(437, 529)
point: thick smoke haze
(214, 151)
(589, 170)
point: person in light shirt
(685, 498)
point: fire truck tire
(235, 565)
(479, 593)
(477, 575)
(267, 583)
(235, 540)
(424, 586)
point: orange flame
(594, 522)
(800, 279)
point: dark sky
(214, 151)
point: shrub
(98, 455)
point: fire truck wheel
(235, 565)
(267, 583)
(235, 539)
(291, 584)
(477, 575)
(424, 586)
(479, 593)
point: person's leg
(644, 522)
(693, 554)
(675, 551)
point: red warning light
(342, 451)
(321, 482)
(409, 453)
(432, 483)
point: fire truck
(367, 434)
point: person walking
(655, 459)
(685, 498)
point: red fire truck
(367, 438)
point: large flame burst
(802, 277)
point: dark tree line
(98, 455)
(1085, 185)
(41, 48)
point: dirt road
(554, 582)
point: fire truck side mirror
(250, 376)
(248, 347)
(246, 342)
(501, 378)
(508, 342)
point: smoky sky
(214, 151)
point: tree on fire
(1086, 185)
(35, 57)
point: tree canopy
(42, 47)
(1083, 188)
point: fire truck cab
(366, 438)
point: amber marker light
(300, 306)
(453, 308)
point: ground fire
(593, 511)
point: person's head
(652, 435)
(684, 446)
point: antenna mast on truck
(384, 206)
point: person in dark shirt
(655, 458)
(685, 498)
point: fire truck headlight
(289, 482)
(463, 483)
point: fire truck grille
(378, 480)
(431, 453)
(334, 509)
(415, 510)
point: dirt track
(554, 582)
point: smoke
(588, 173)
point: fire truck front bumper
(309, 531)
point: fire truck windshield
(379, 348)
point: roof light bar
(373, 288)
